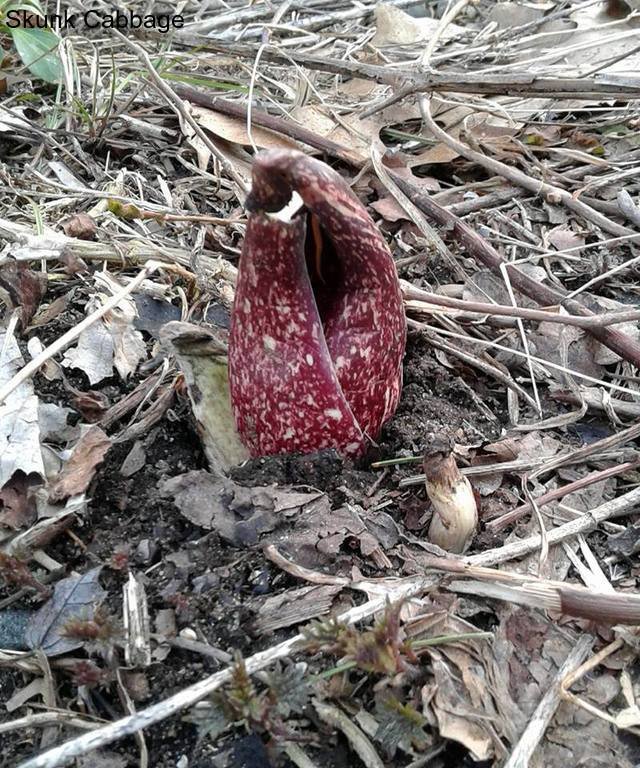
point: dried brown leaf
(17, 503)
(74, 598)
(80, 225)
(234, 130)
(78, 472)
(239, 515)
(24, 287)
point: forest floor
(132, 572)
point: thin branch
(481, 249)
(178, 106)
(622, 505)
(595, 477)
(518, 353)
(72, 334)
(604, 607)
(516, 176)
(598, 399)
(412, 81)
(271, 122)
(44, 719)
(410, 292)
(53, 246)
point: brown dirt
(129, 514)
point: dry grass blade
(607, 608)
(53, 246)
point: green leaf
(30, 6)
(38, 50)
(290, 687)
(209, 718)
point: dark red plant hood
(317, 332)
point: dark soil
(206, 581)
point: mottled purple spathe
(313, 370)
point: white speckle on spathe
(340, 362)
(246, 306)
(269, 343)
(288, 434)
(333, 413)
(309, 359)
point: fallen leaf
(37, 687)
(455, 716)
(19, 427)
(49, 312)
(390, 209)
(202, 355)
(110, 342)
(323, 536)
(80, 225)
(128, 345)
(75, 597)
(54, 424)
(563, 238)
(395, 27)
(24, 287)
(486, 287)
(50, 368)
(134, 460)
(553, 341)
(15, 119)
(234, 130)
(78, 472)
(507, 15)
(238, 514)
(93, 354)
(353, 132)
(599, 304)
(17, 503)
(538, 445)
(91, 405)
(399, 725)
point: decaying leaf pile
(290, 610)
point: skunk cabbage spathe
(318, 328)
